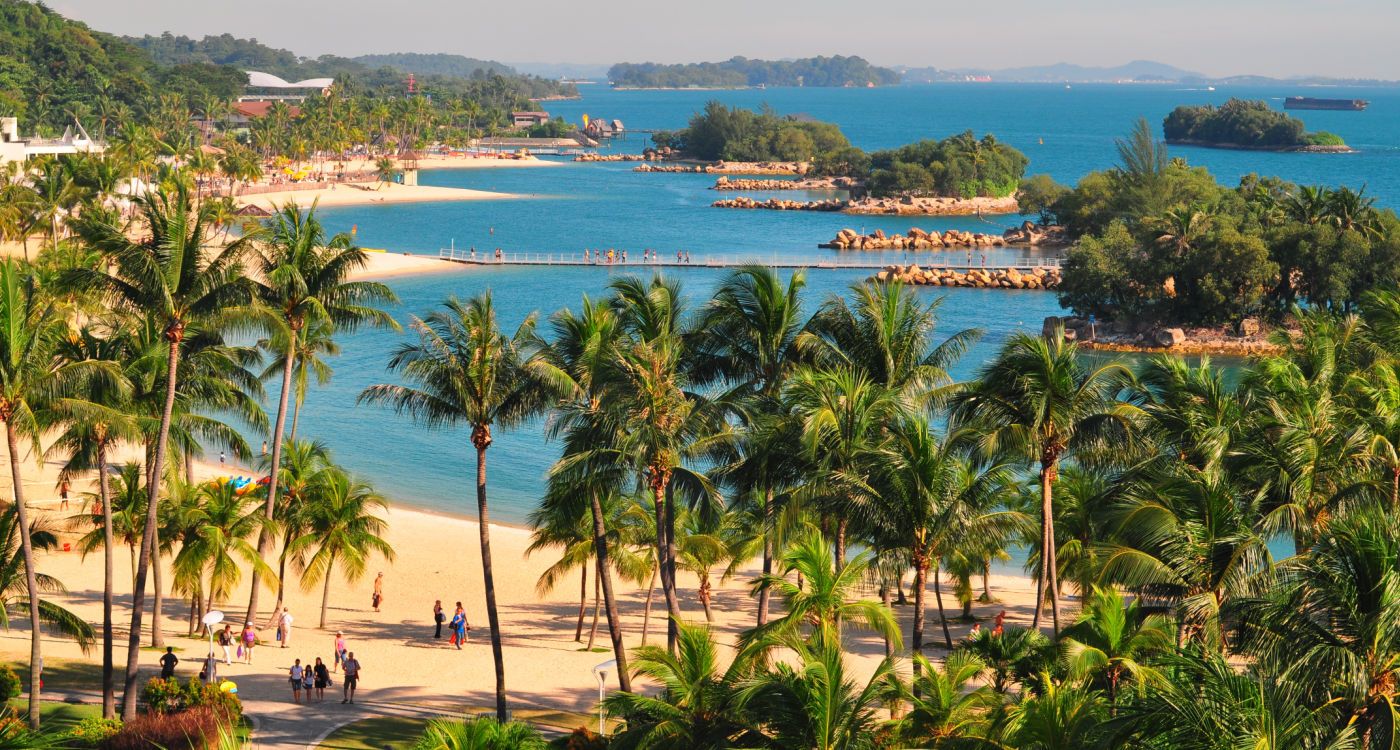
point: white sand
(363, 194)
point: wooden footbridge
(635, 262)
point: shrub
(170, 696)
(582, 739)
(9, 684)
(479, 734)
(191, 729)
(92, 732)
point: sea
(1066, 131)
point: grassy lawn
(55, 716)
(375, 734)
(63, 674)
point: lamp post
(210, 619)
(601, 672)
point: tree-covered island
(1243, 124)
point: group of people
(457, 627)
(610, 256)
(317, 677)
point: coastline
(384, 264)
(1304, 149)
(363, 194)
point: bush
(93, 732)
(479, 734)
(582, 739)
(191, 729)
(170, 696)
(9, 684)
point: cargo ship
(1307, 102)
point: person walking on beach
(308, 680)
(168, 662)
(322, 679)
(285, 628)
(352, 677)
(438, 618)
(377, 597)
(221, 458)
(296, 676)
(226, 642)
(63, 495)
(264, 448)
(459, 627)
(339, 649)
(250, 639)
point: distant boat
(1307, 102)
(1210, 88)
(1066, 85)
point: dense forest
(54, 69)
(437, 64)
(1238, 122)
(1161, 241)
(961, 166)
(741, 71)
(736, 134)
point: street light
(211, 619)
(601, 672)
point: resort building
(75, 140)
(265, 87)
(528, 119)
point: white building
(75, 140)
(265, 87)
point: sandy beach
(436, 557)
(384, 265)
(366, 194)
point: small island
(741, 72)
(1246, 125)
(960, 174)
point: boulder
(1248, 327)
(1168, 337)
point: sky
(1340, 38)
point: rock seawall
(779, 204)
(978, 278)
(910, 206)
(918, 239)
(809, 183)
(797, 168)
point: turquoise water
(577, 206)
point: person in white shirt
(286, 627)
(296, 678)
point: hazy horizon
(1282, 38)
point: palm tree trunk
(265, 536)
(600, 552)
(138, 593)
(942, 616)
(296, 417)
(664, 550)
(987, 582)
(31, 581)
(840, 560)
(764, 594)
(597, 605)
(158, 595)
(885, 601)
(326, 594)
(646, 610)
(704, 596)
(1052, 572)
(582, 602)
(916, 638)
(109, 686)
(1045, 521)
(493, 618)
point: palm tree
(747, 335)
(944, 709)
(1037, 402)
(697, 707)
(305, 281)
(315, 343)
(815, 703)
(31, 376)
(171, 278)
(220, 522)
(825, 598)
(88, 436)
(1114, 642)
(342, 529)
(479, 734)
(1014, 655)
(930, 496)
(1329, 622)
(464, 370)
(1060, 717)
(302, 470)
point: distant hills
(1143, 71)
(736, 72)
(435, 64)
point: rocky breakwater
(812, 183)
(911, 206)
(797, 168)
(979, 278)
(779, 204)
(651, 154)
(917, 239)
(1030, 233)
